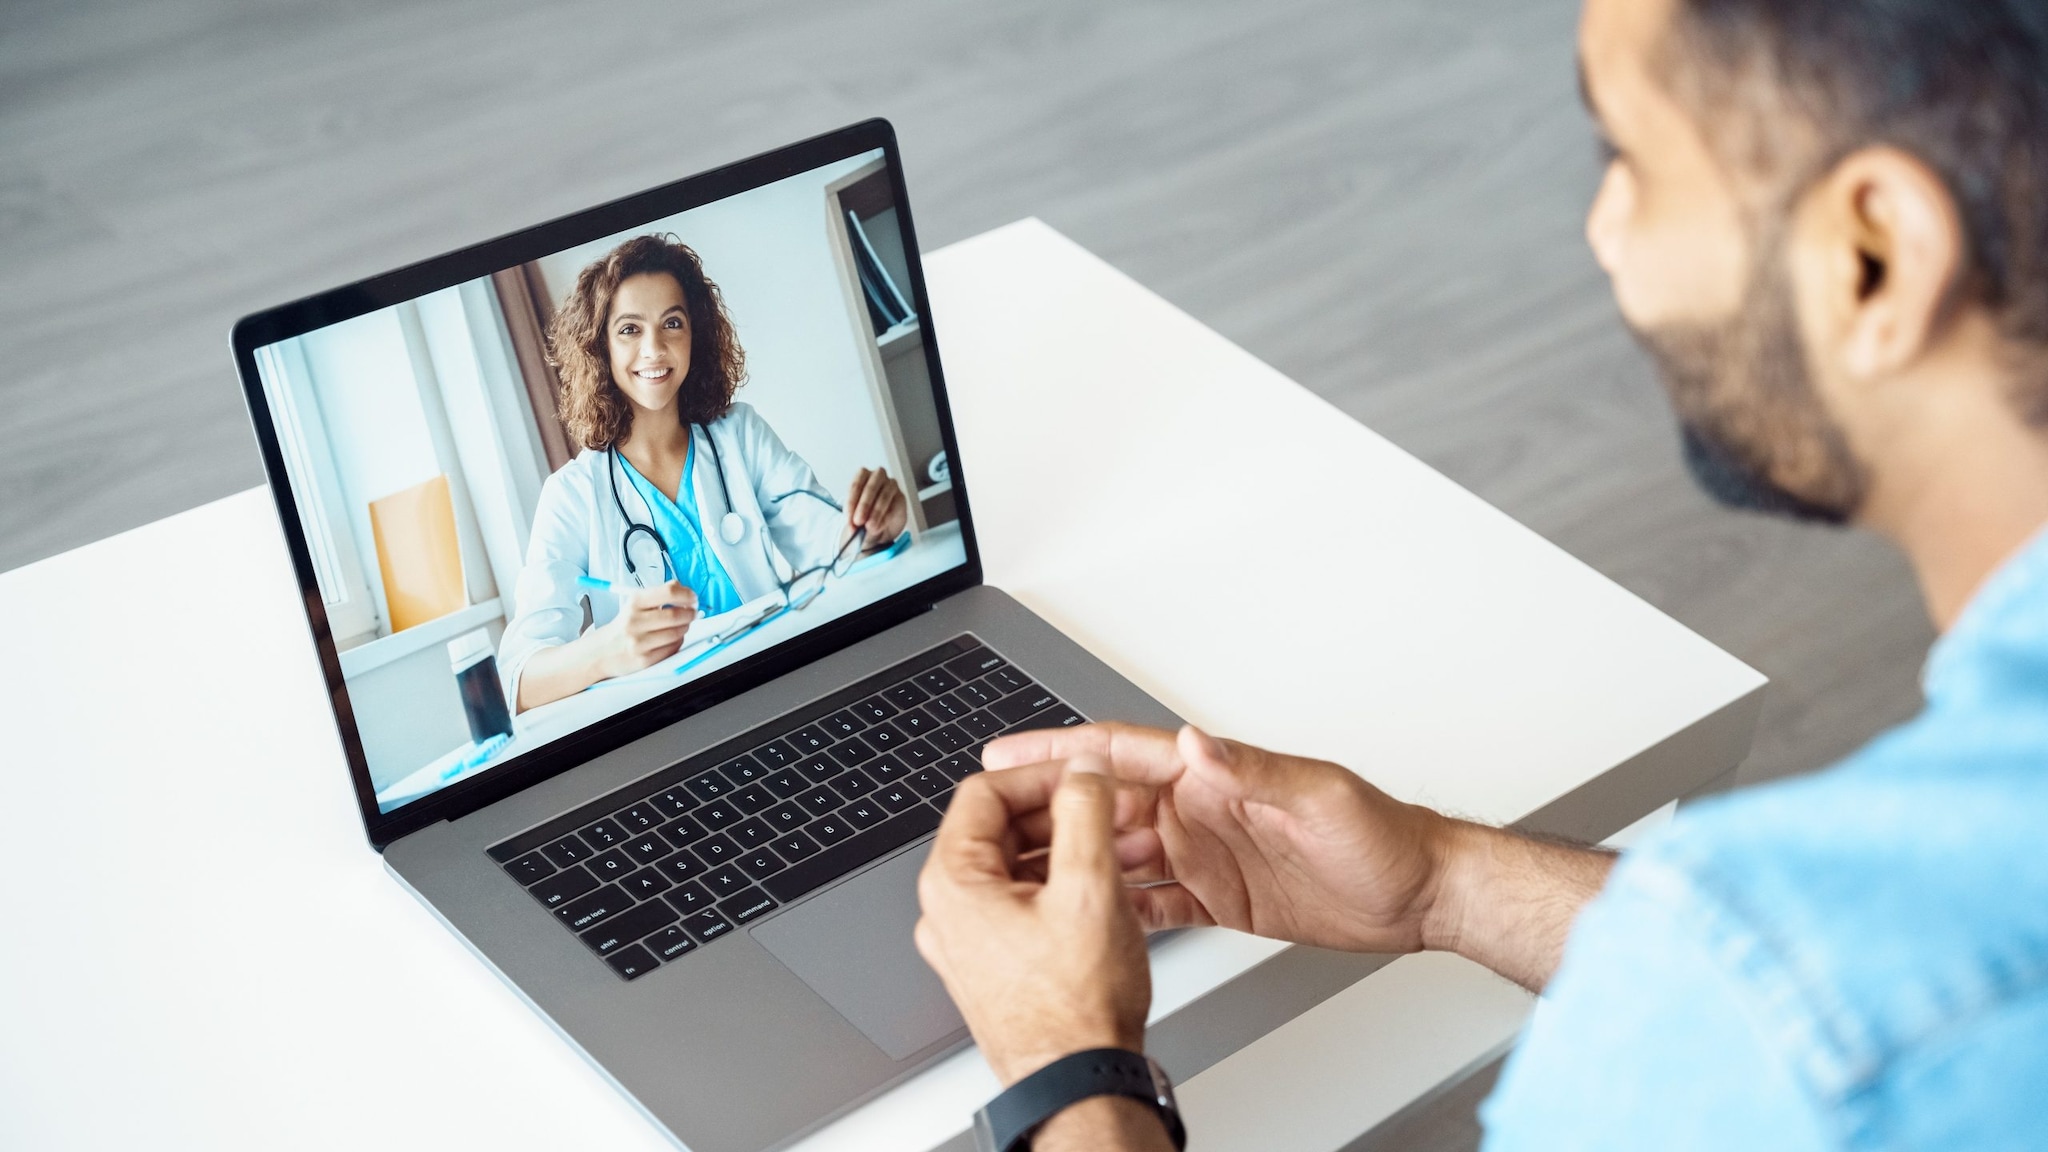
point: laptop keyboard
(679, 858)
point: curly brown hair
(593, 409)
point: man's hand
(1304, 850)
(1043, 956)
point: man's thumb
(1238, 770)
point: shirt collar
(1996, 612)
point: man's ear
(1891, 251)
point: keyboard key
(683, 832)
(979, 662)
(707, 925)
(906, 695)
(785, 784)
(808, 739)
(716, 850)
(709, 786)
(1007, 680)
(531, 867)
(641, 817)
(632, 961)
(895, 797)
(884, 769)
(754, 833)
(646, 884)
(819, 769)
(566, 851)
(1060, 717)
(864, 813)
(723, 882)
(776, 754)
(853, 785)
(787, 816)
(627, 927)
(884, 735)
(717, 814)
(838, 860)
(613, 865)
(840, 725)
(983, 725)
(948, 707)
(602, 835)
(646, 849)
(794, 846)
(587, 911)
(743, 771)
(817, 802)
(936, 681)
(978, 694)
(830, 830)
(563, 886)
(688, 899)
(1014, 708)
(747, 905)
(851, 751)
(919, 754)
(682, 866)
(669, 943)
(753, 798)
(915, 722)
(761, 863)
(674, 802)
(959, 767)
(874, 709)
(951, 738)
(929, 782)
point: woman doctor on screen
(679, 494)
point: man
(1828, 221)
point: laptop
(689, 839)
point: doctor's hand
(1043, 956)
(649, 628)
(876, 503)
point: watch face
(1161, 1086)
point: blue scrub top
(677, 522)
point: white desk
(210, 956)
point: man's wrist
(1104, 1124)
(1011, 1064)
(1454, 846)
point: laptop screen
(545, 495)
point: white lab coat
(577, 531)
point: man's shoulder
(1876, 916)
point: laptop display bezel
(479, 260)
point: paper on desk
(704, 634)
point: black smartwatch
(1007, 1122)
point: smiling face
(648, 333)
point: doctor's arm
(649, 628)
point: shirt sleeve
(802, 517)
(548, 605)
(1643, 1040)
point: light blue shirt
(1856, 959)
(677, 522)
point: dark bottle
(476, 676)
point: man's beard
(1756, 434)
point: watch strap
(1006, 1123)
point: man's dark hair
(1786, 89)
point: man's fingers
(1083, 827)
(973, 838)
(1139, 755)
(1170, 906)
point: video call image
(537, 498)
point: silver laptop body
(576, 861)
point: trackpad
(853, 946)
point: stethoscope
(732, 527)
